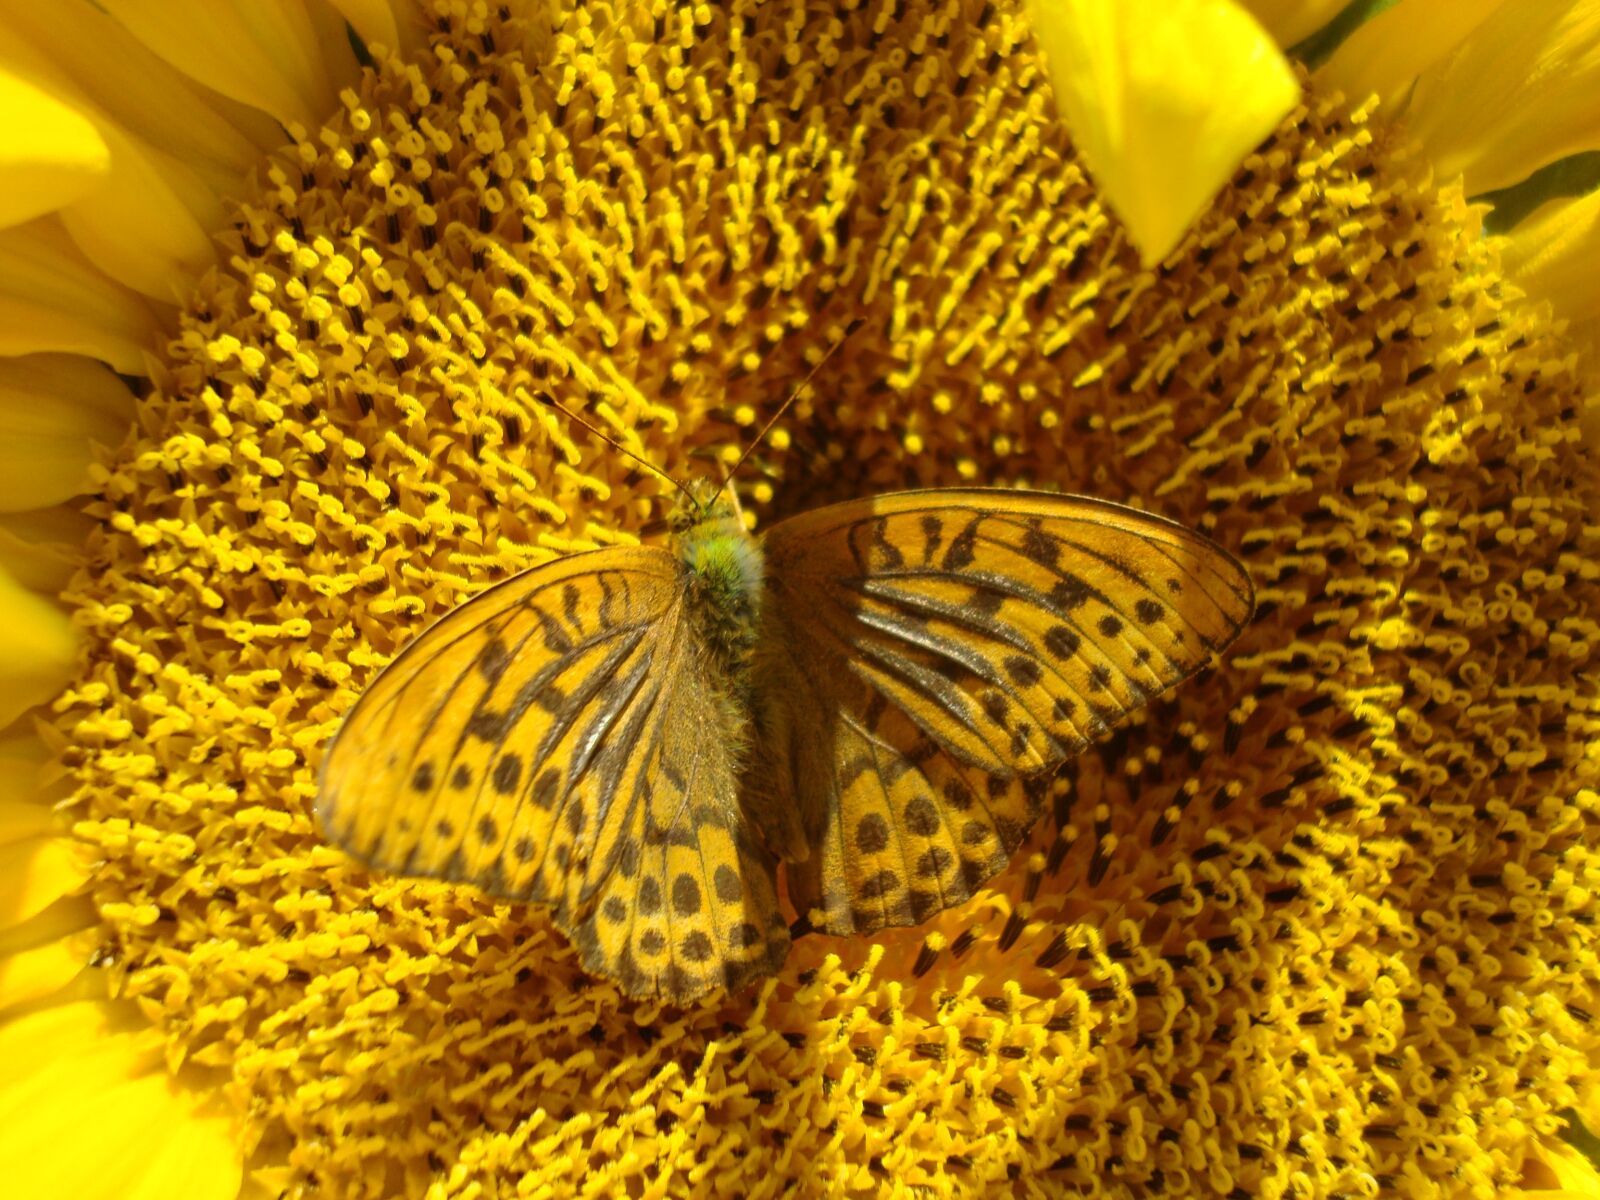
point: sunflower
(282, 286)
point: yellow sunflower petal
(142, 230)
(373, 20)
(41, 548)
(1387, 53)
(266, 55)
(30, 779)
(146, 225)
(34, 874)
(1291, 20)
(22, 819)
(1522, 91)
(1554, 252)
(83, 1115)
(1557, 1171)
(45, 953)
(57, 923)
(37, 649)
(1163, 98)
(30, 976)
(49, 154)
(52, 407)
(52, 298)
(38, 867)
(75, 47)
(71, 1030)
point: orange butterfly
(874, 693)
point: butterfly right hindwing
(950, 649)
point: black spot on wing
(507, 774)
(934, 862)
(995, 707)
(545, 787)
(493, 660)
(728, 886)
(571, 606)
(1061, 641)
(696, 947)
(685, 895)
(487, 725)
(985, 601)
(872, 834)
(649, 896)
(548, 697)
(921, 817)
(1024, 672)
(607, 609)
(963, 548)
(932, 536)
(879, 885)
(555, 638)
(957, 794)
(1068, 593)
(1038, 546)
(889, 557)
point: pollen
(1323, 922)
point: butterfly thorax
(723, 574)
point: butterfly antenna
(550, 401)
(793, 396)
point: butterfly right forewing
(950, 649)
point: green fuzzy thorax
(723, 565)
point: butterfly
(873, 694)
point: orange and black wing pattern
(554, 740)
(942, 652)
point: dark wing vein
(961, 616)
(391, 701)
(615, 768)
(600, 872)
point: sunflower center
(1231, 920)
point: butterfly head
(704, 505)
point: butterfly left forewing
(549, 741)
(462, 760)
(953, 647)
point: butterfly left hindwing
(946, 650)
(555, 739)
